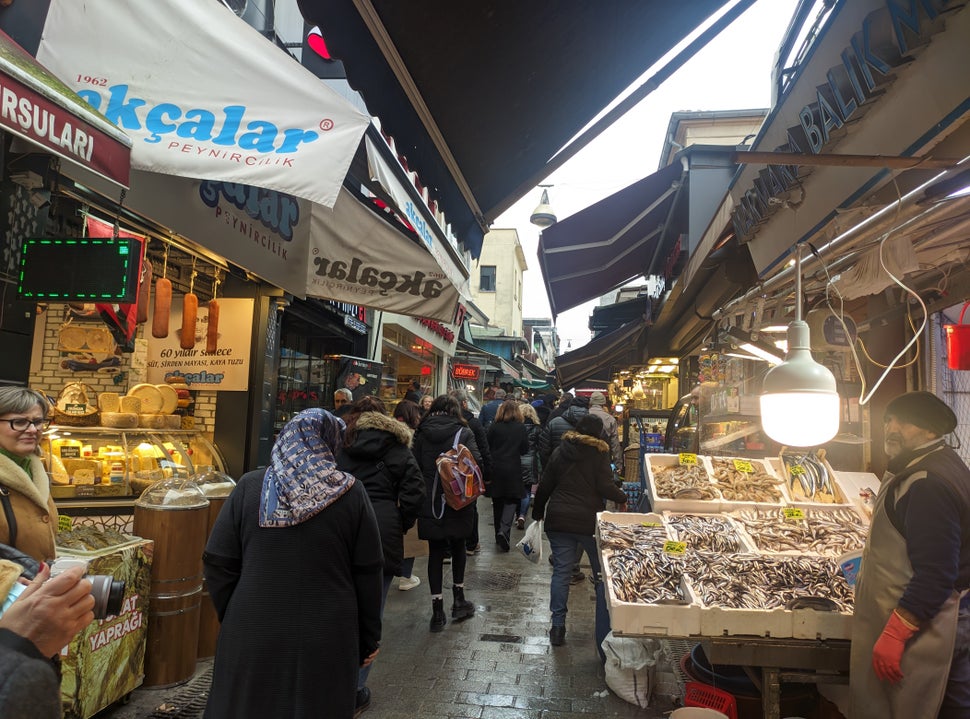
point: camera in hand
(108, 592)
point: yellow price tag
(793, 513)
(64, 523)
(688, 458)
(795, 470)
(672, 547)
(650, 524)
(743, 465)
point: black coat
(574, 485)
(300, 606)
(435, 435)
(558, 426)
(381, 458)
(529, 462)
(29, 685)
(508, 441)
(481, 440)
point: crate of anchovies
(681, 483)
(809, 479)
(818, 531)
(746, 483)
(646, 592)
(804, 597)
(707, 532)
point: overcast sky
(732, 72)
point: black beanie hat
(591, 425)
(923, 409)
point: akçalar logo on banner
(228, 105)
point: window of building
(486, 279)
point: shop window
(486, 278)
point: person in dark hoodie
(562, 420)
(377, 451)
(573, 487)
(444, 528)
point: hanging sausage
(163, 302)
(190, 311)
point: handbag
(459, 476)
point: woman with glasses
(28, 517)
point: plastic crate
(697, 694)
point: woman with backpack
(445, 529)
(377, 451)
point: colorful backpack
(460, 477)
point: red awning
(39, 108)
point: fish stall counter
(753, 574)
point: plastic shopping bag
(531, 543)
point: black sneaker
(557, 636)
(502, 541)
(363, 702)
(577, 578)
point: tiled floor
(496, 665)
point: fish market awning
(481, 97)
(47, 113)
(597, 357)
(610, 243)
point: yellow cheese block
(152, 421)
(59, 473)
(85, 476)
(109, 402)
(73, 466)
(120, 420)
(131, 405)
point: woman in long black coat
(508, 440)
(444, 528)
(294, 569)
(377, 451)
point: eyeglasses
(20, 424)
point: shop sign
(466, 371)
(438, 329)
(355, 324)
(227, 368)
(886, 40)
(258, 118)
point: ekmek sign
(227, 105)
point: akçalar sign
(224, 105)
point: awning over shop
(597, 357)
(41, 109)
(224, 105)
(610, 243)
(479, 96)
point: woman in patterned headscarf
(294, 568)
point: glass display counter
(102, 470)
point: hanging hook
(216, 281)
(192, 278)
(165, 260)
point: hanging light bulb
(799, 401)
(543, 216)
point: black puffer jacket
(434, 435)
(574, 485)
(553, 432)
(380, 458)
(481, 439)
(529, 463)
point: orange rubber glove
(888, 650)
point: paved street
(497, 665)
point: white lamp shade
(799, 401)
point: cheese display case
(89, 465)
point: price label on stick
(688, 458)
(64, 523)
(743, 465)
(796, 470)
(793, 513)
(672, 547)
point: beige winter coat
(33, 508)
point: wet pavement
(496, 665)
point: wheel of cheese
(119, 420)
(151, 398)
(183, 403)
(183, 393)
(151, 421)
(173, 421)
(170, 398)
(130, 404)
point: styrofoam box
(634, 618)
(729, 504)
(811, 511)
(775, 623)
(842, 499)
(661, 504)
(744, 539)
